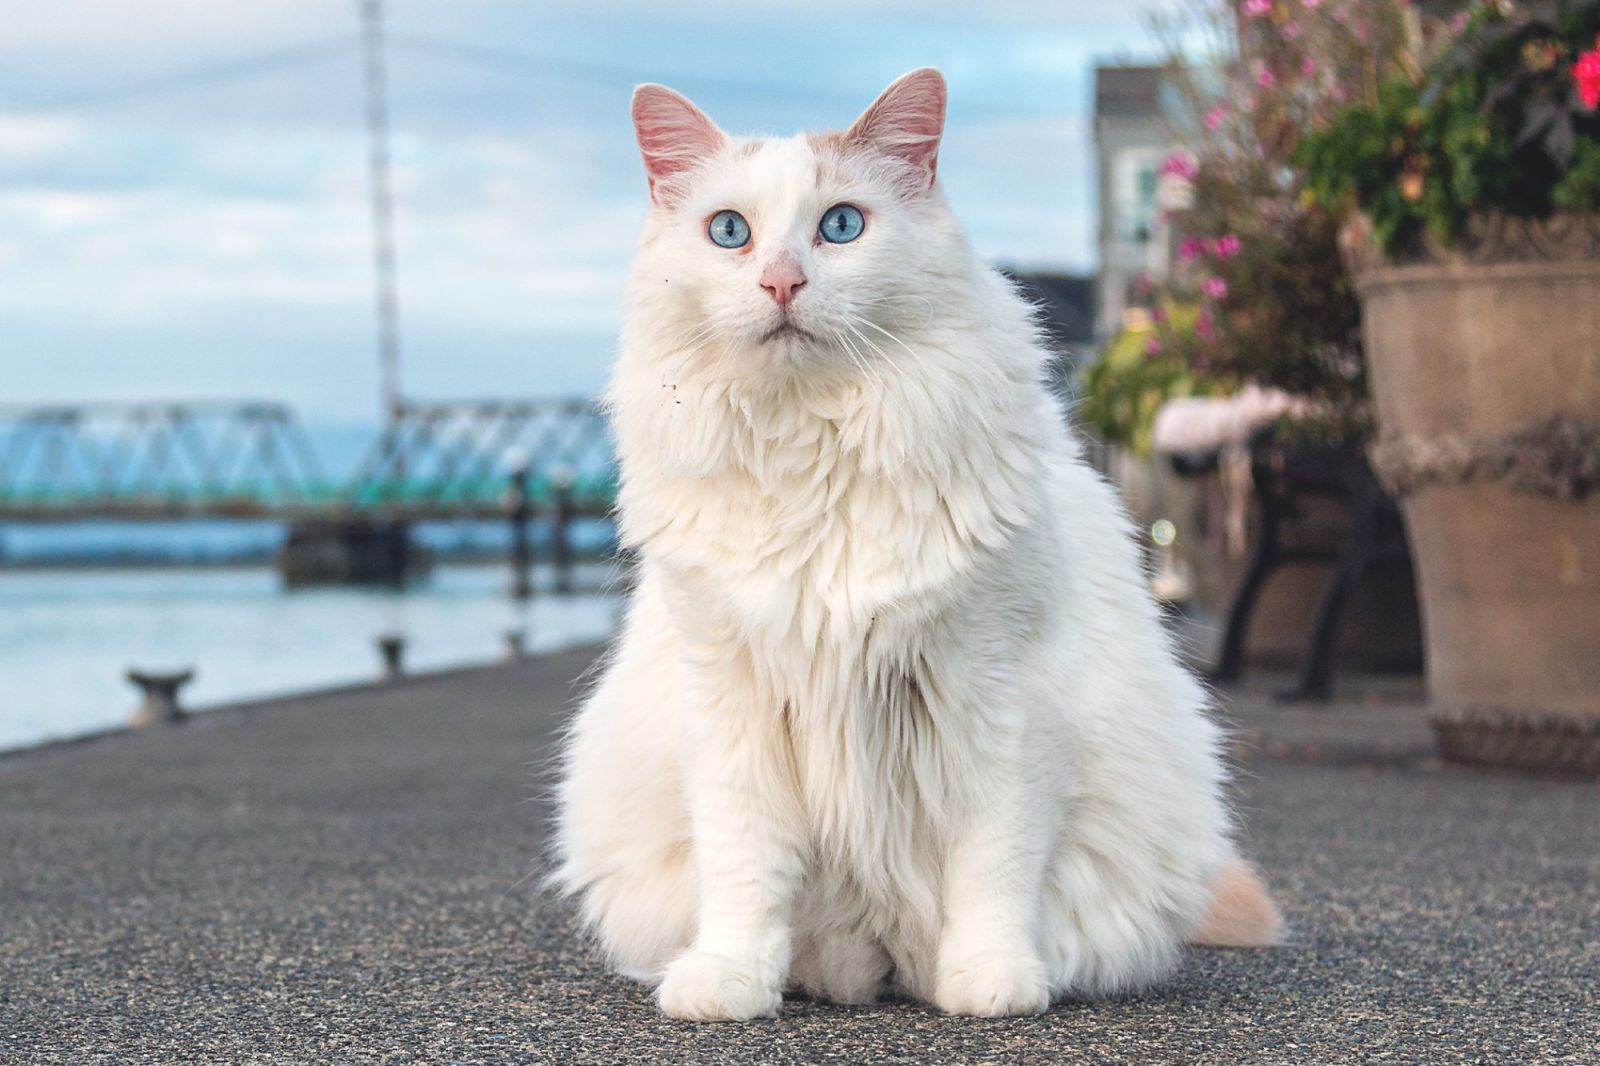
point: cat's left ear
(906, 122)
(674, 135)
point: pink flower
(1312, 5)
(1152, 346)
(1205, 326)
(1227, 246)
(1180, 164)
(1158, 314)
(1257, 8)
(1586, 71)
(1215, 116)
(1215, 288)
(1265, 78)
(1291, 30)
(1308, 66)
(1249, 105)
(1191, 248)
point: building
(1133, 132)
(1065, 304)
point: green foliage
(1289, 318)
(1579, 189)
(1494, 125)
(1259, 256)
(1127, 385)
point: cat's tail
(1242, 914)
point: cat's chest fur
(854, 578)
(817, 526)
(851, 556)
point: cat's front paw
(702, 987)
(993, 984)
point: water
(67, 637)
(196, 541)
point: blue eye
(842, 224)
(729, 229)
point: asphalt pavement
(350, 878)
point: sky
(183, 209)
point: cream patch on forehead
(829, 150)
(830, 142)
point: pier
(353, 877)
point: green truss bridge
(175, 461)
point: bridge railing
(241, 460)
(458, 456)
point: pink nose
(782, 278)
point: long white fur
(892, 706)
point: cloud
(145, 236)
(156, 30)
(995, 173)
(492, 232)
(29, 138)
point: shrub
(1502, 121)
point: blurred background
(349, 271)
(305, 307)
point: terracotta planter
(1485, 369)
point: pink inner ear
(907, 120)
(673, 134)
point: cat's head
(792, 254)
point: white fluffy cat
(892, 708)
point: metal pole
(561, 533)
(383, 256)
(392, 649)
(521, 556)
(160, 697)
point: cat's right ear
(673, 134)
